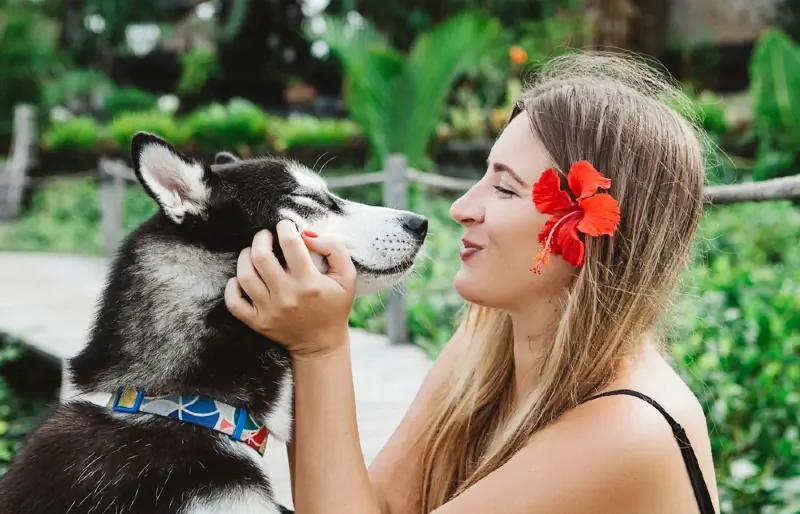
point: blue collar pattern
(236, 422)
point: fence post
(14, 176)
(395, 195)
(112, 204)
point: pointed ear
(225, 158)
(177, 184)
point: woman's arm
(395, 474)
(330, 473)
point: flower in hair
(586, 210)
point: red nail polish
(309, 233)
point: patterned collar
(236, 422)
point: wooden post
(112, 204)
(395, 195)
(14, 175)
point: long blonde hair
(619, 114)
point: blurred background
(310, 79)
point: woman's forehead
(521, 150)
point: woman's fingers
(236, 303)
(340, 264)
(264, 260)
(249, 279)
(298, 260)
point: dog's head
(225, 203)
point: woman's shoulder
(636, 427)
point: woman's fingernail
(310, 233)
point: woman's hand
(302, 309)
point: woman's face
(501, 227)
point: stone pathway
(48, 301)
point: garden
(735, 324)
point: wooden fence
(13, 172)
(395, 180)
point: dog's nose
(417, 225)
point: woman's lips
(469, 249)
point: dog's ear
(225, 158)
(176, 183)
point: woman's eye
(505, 193)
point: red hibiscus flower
(591, 213)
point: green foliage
(399, 99)
(198, 65)
(28, 52)
(129, 99)
(79, 90)
(65, 217)
(18, 414)
(775, 96)
(232, 126)
(309, 131)
(124, 126)
(79, 132)
(238, 125)
(737, 338)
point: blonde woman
(554, 395)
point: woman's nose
(466, 210)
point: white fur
(232, 502)
(236, 501)
(186, 280)
(279, 420)
(177, 184)
(374, 235)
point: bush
(19, 413)
(76, 133)
(124, 126)
(738, 343)
(238, 126)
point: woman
(553, 396)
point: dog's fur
(162, 324)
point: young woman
(554, 395)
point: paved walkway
(48, 300)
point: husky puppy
(193, 395)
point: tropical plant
(398, 100)
(774, 86)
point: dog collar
(236, 422)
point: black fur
(85, 460)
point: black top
(701, 493)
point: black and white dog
(191, 394)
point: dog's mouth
(397, 269)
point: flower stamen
(543, 255)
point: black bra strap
(689, 458)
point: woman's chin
(468, 286)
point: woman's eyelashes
(504, 192)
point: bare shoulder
(614, 454)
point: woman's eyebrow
(502, 168)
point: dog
(191, 395)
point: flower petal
(547, 194)
(600, 215)
(584, 180)
(571, 246)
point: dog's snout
(417, 225)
